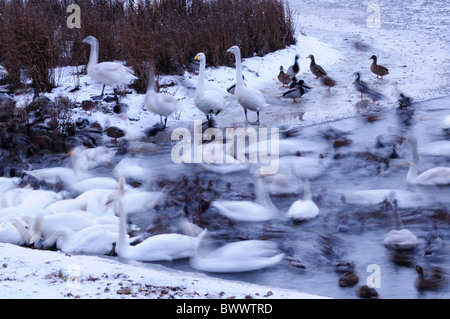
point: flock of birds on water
(90, 215)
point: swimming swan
(155, 248)
(435, 176)
(262, 209)
(303, 209)
(107, 73)
(249, 98)
(210, 102)
(238, 256)
(399, 238)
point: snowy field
(418, 63)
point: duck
(108, 73)
(436, 176)
(367, 292)
(162, 247)
(363, 88)
(210, 102)
(294, 68)
(400, 238)
(327, 81)
(283, 77)
(303, 209)
(316, 69)
(260, 210)
(232, 88)
(115, 133)
(88, 106)
(377, 69)
(160, 103)
(435, 281)
(349, 278)
(193, 66)
(120, 108)
(297, 90)
(249, 98)
(239, 256)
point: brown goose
(316, 69)
(377, 69)
(284, 78)
(435, 281)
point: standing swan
(155, 248)
(210, 102)
(249, 98)
(160, 103)
(107, 73)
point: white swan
(435, 176)
(210, 102)
(14, 231)
(96, 239)
(244, 210)
(160, 103)
(399, 238)
(238, 256)
(303, 209)
(108, 73)
(137, 169)
(249, 98)
(155, 248)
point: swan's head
(234, 49)
(200, 57)
(90, 40)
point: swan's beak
(196, 58)
(69, 153)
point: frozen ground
(418, 62)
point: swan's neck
(239, 79)
(398, 220)
(201, 79)
(413, 170)
(24, 234)
(262, 194)
(122, 244)
(306, 190)
(60, 237)
(93, 57)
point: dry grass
(165, 33)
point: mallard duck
(283, 77)
(435, 281)
(316, 69)
(249, 98)
(367, 292)
(295, 68)
(88, 106)
(349, 278)
(377, 69)
(298, 88)
(363, 88)
(107, 73)
(327, 81)
(114, 132)
(120, 109)
(210, 102)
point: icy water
(348, 228)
